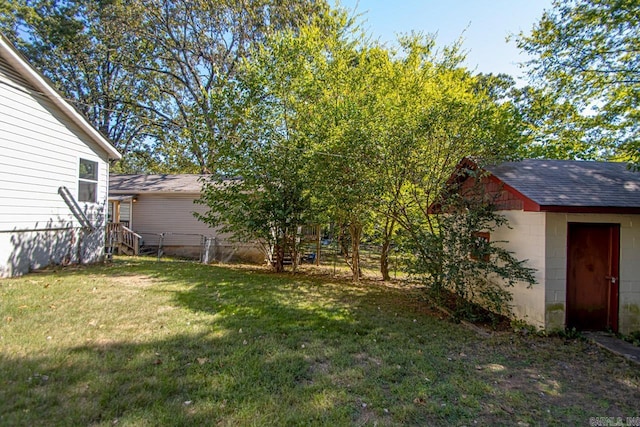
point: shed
(160, 208)
(54, 173)
(578, 225)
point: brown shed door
(593, 252)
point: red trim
(614, 263)
(529, 205)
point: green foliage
(149, 73)
(555, 128)
(456, 256)
(365, 135)
(632, 337)
(567, 333)
(269, 151)
(81, 46)
(586, 55)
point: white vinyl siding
(171, 214)
(10, 76)
(40, 150)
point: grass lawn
(141, 342)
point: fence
(207, 249)
(332, 260)
(210, 249)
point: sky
(482, 24)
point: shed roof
(135, 184)
(44, 86)
(556, 184)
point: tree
(366, 137)
(198, 47)
(150, 73)
(455, 256)
(446, 114)
(348, 138)
(587, 54)
(82, 48)
(269, 153)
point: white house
(54, 173)
(160, 209)
(578, 225)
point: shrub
(453, 253)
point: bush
(453, 253)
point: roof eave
(590, 209)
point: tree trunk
(279, 258)
(344, 246)
(386, 245)
(384, 259)
(355, 230)
(295, 250)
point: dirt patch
(363, 359)
(136, 280)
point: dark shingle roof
(572, 183)
(132, 184)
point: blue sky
(483, 25)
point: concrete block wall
(525, 236)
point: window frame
(480, 235)
(91, 181)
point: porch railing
(122, 239)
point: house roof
(42, 84)
(571, 185)
(136, 184)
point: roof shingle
(572, 182)
(131, 184)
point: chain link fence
(326, 255)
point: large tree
(151, 74)
(348, 138)
(586, 53)
(199, 46)
(81, 46)
(269, 153)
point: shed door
(593, 252)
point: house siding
(525, 236)
(41, 149)
(171, 214)
(8, 75)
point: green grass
(141, 342)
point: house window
(88, 181)
(481, 240)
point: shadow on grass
(269, 350)
(184, 380)
(263, 349)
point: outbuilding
(578, 225)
